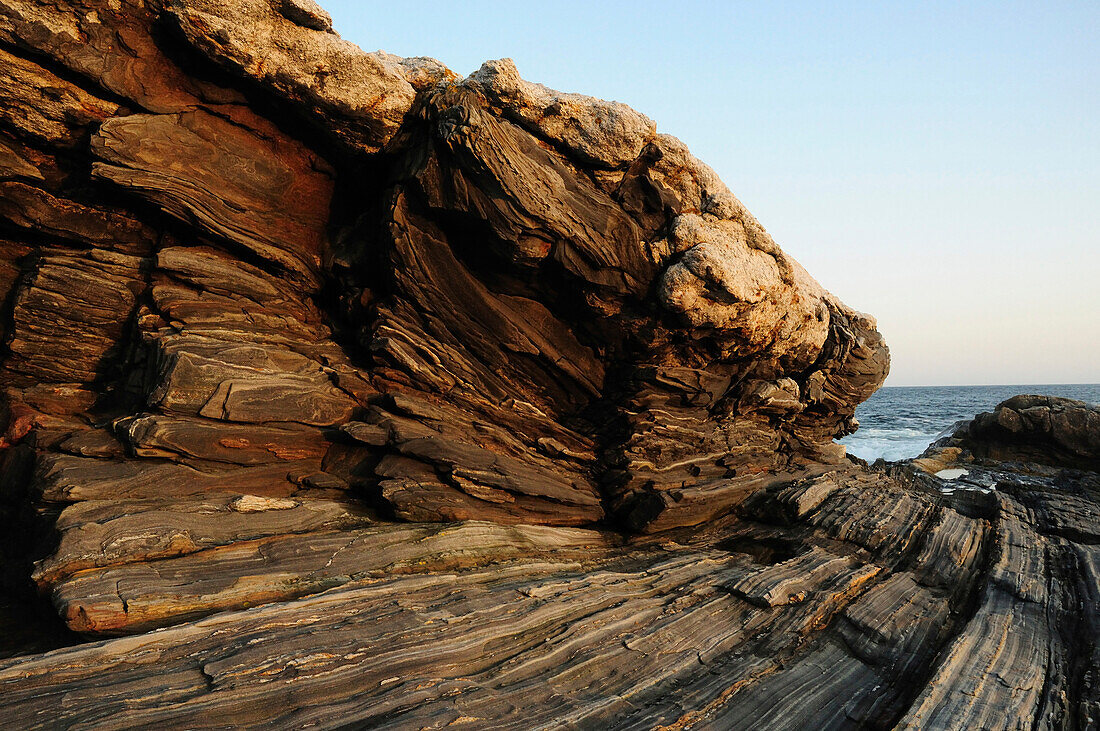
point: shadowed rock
(1044, 430)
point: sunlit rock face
(580, 313)
(565, 259)
(496, 399)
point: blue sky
(934, 164)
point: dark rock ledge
(340, 391)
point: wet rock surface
(338, 390)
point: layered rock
(446, 400)
(940, 613)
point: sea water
(900, 422)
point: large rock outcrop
(1029, 429)
(401, 399)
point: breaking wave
(900, 422)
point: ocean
(899, 422)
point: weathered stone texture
(394, 399)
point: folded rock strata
(446, 400)
(937, 615)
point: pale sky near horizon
(936, 164)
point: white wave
(891, 446)
(888, 433)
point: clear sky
(936, 164)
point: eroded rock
(1044, 430)
(394, 399)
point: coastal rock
(607, 134)
(357, 99)
(69, 315)
(267, 194)
(597, 632)
(45, 107)
(108, 47)
(1044, 430)
(336, 390)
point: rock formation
(1035, 430)
(398, 399)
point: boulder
(1030, 429)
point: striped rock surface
(337, 390)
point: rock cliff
(399, 399)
